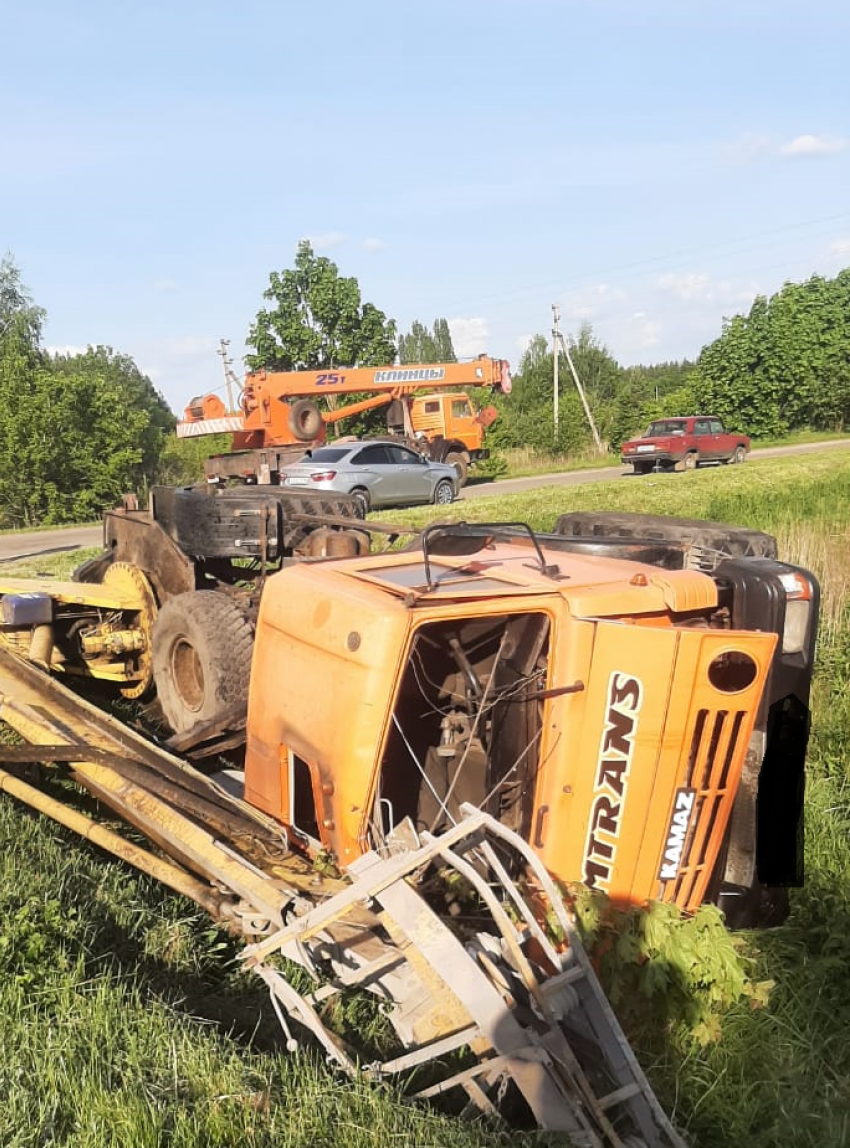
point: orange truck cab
(451, 416)
(619, 714)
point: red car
(684, 443)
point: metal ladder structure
(462, 937)
(531, 1010)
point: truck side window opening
(461, 409)
(304, 817)
(432, 407)
(466, 725)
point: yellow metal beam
(171, 875)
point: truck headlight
(798, 607)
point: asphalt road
(27, 544)
(608, 473)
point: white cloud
(748, 147)
(193, 346)
(469, 336)
(68, 349)
(326, 240)
(690, 285)
(840, 246)
(645, 332)
(522, 343)
(164, 286)
(807, 145)
(580, 311)
(607, 292)
(373, 243)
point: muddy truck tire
(706, 543)
(460, 461)
(202, 644)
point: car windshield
(326, 454)
(664, 426)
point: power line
(628, 270)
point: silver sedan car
(381, 473)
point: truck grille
(714, 759)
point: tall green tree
(76, 431)
(526, 416)
(90, 427)
(784, 365)
(595, 366)
(317, 320)
(21, 322)
(422, 345)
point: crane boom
(279, 409)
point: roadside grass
(768, 494)
(57, 567)
(126, 1021)
(521, 462)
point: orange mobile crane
(279, 417)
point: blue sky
(650, 167)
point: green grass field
(125, 1021)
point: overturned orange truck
(634, 707)
(628, 693)
(447, 728)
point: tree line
(783, 367)
(77, 431)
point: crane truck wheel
(305, 420)
(202, 646)
(461, 464)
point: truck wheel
(709, 542)
(739, 455)
(305, 420)
(443, 493)
(202, 645)
(461, 464)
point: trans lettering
(625, 695)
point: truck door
(461, 422)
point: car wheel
(361, 494)
(739, 455)
(691, 460)
(443, 492)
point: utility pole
(558, 342)
(228, 372)
(556, 335)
